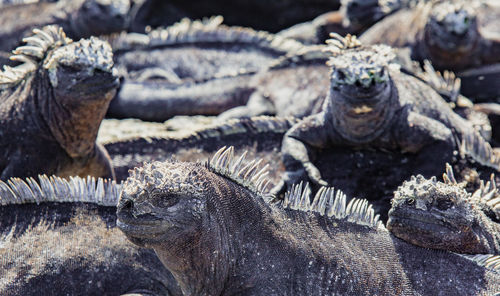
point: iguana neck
(365, 121)
(216, 252)
(74, 122)
(488, 233)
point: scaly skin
(444, 216)
(460, 36)
(52, 106)
(78, 18)
(75, 247)
(372, 104)
(191, 68)
(215, 230)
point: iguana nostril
(127, 205)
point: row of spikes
(487, 193)
(479, 150)
(35, 49)
(331, 203)
(55, 189)
(249, 175)
(211, 30)
(486, 260)
(446, 83)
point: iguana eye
(410, 201)
(163, 199)
(444, 204)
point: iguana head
(72, 84)
(437, 215)
(360, 88)
(164, 202)
(452, 27)
(96, 17)
(360, 14)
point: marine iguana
(218, 232)
(59, 237)
(52, 105)
(78, 18)
(191, 67)
(443, 215)
(371, 104)
(294, 85)
(461, 36)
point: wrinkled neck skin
(208, 264)
(361, 122)
(466, 55)
(488, 233)
(73, 121)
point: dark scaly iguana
(371, 104)
(78, 18)
(59, 237)
(261, 136)
(443, 215)
(52, 105)
(218, 233)
(191, 67)
(461, 36)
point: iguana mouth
(423, 221)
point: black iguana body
(443, 215)
(371, 105)
(52, 105)
(191, 67)
(59, 237)
(216, 231)
(461, 36)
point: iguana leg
(416, 131)
(298, 144)
(257, 105)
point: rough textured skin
(439, 215)
(454, 35)
(219, 235)
(52, 105)
(78, 18)
(261, 136)
(372, 104)
(62, 239)
(191, 67)
(295, 85)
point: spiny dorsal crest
(250, 175)
(486, 260)
(331, 203)
(488, 195)
(211, 30)
(446, 83)
(479, 150)
(337, 43)
(55, 189)
(34, 51)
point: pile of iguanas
(144, 213)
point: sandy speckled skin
(220, 238)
